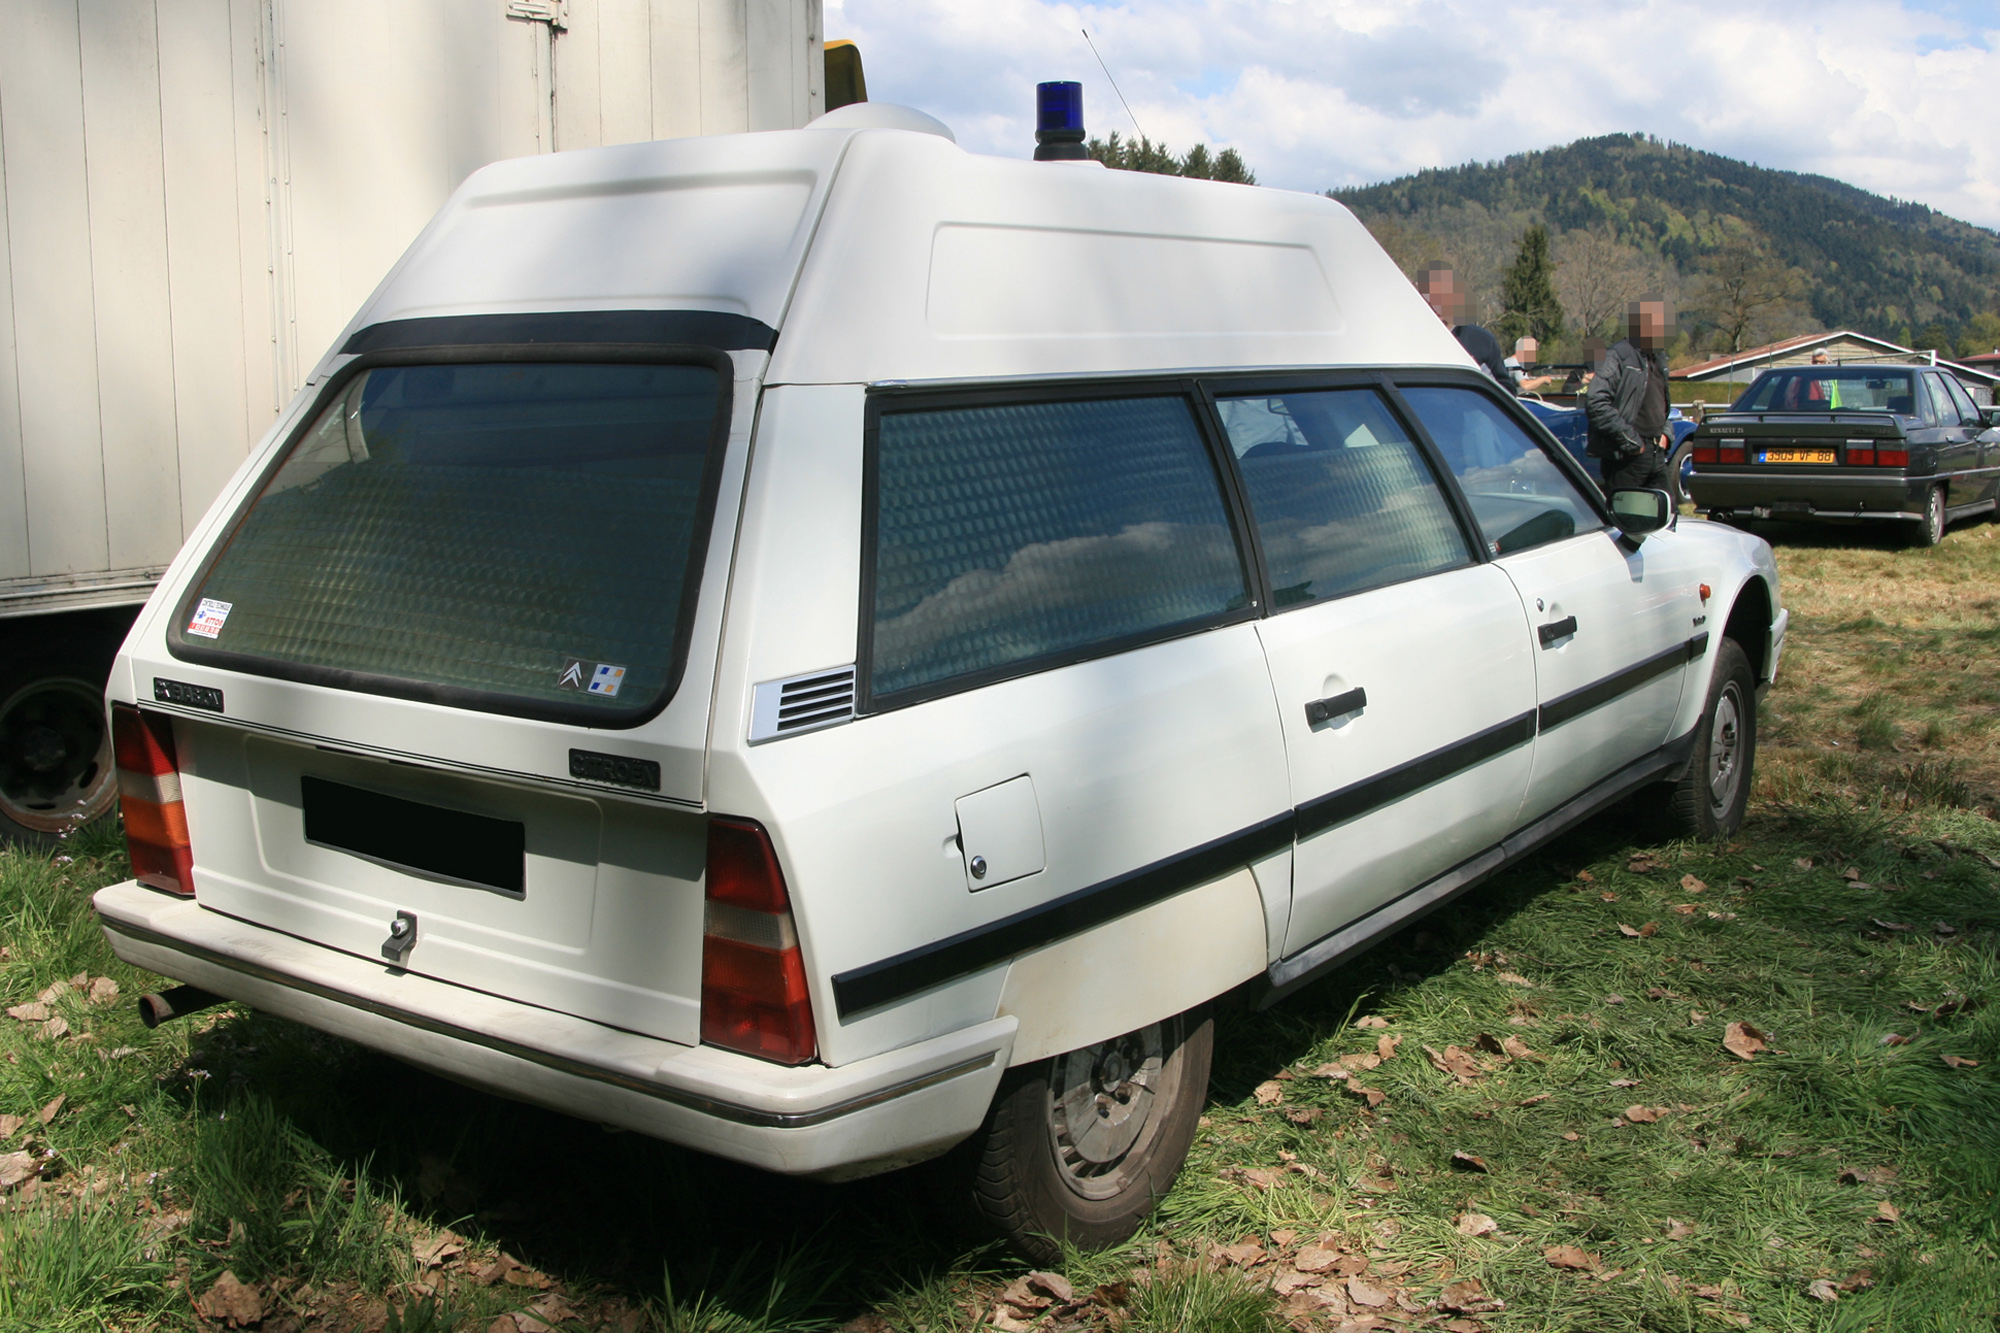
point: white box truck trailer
(195, 195)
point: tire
(1034, 1181)
(1709, 800)
(1677, 464)
(1929, 529)
(56, 770)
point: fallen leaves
(237, 1303)
(1372, 1021)
(1269, 1093)
(1959, 1062)
(1873, 1175)
(1569, 1257)
(1514, 979)
(1889, 925)
(1645, 1115)
(1887, 1212)
(1744, 1041)
(16, 1167)
(1689, 884)
(1455, 1061)
(48, 1113)
(1645, 863)
(1027, 1297)
(1476, 1224)
(1645, 932)
(1465, 1161)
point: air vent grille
(801, 703)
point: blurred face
(1650, 323)
(1440, 289)
(1820, 358)
(1527, 350)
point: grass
(1853, 924)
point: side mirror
(1642, 511)
(1991, 416)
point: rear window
(515, 537)
(1831, 389)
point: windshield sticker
(571, 676)
(606, 680)
(208, 618)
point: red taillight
(753, 978)
(1860, 457)
(1704, 453)
(149, 794)
(1730, 455)
(1892, 458)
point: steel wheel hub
(1725, 742)
(1104, 1101)
(55, 756)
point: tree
(1597, 276)
(1981, 334)
(1745, 287)
(1122, 154)
(1528, 303)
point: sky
(1895, 96)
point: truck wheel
(1929, 530)
(1708, 802)
(56, 769)
(1079, 1148)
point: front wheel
(1079, 1148)
(1680, 467)
(1709, 800)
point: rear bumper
(1804, 494)
(869, 1116)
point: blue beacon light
(1059, 122)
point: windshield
(510, 537)
(1831, 389)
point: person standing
(1447, 302)
(1627, 402)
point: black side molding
(1599, 693)
(1357, 799)
(703, 328)
(919, 969)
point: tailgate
(571, 901)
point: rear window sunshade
(520, 537)
(474, 850)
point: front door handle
(1556, 629)
(1338, 705)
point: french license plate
(1795, 455)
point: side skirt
(1328, 952)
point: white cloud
(1889, 95)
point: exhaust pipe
(176, 1003)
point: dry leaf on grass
(34, 1012)
(49, 993)
(1466, 1296)
(1644, 863)
(103, 990)
(1743, 1041)
(1514, 979)
(1822, 1289)
(1303, 1115)
(1385, 1047)
(439, 1248)
(1679, 1230)
(1568, 1256)
(1456, 1061)
(1692, 885)
(238, 1303)
(1959, 1062)
(1888, 925)
(16, 1167)
(1874, 1175)
(1314, 1259)
(1887, 1212)
(10, 1123)
(1644, 1115)
(1372, 1021)
(1373, 1096)
(1363, 1292)
(1894, 1039)
(1269, 1093)
(1571, 1135)
(1518, 1049)
(1465, 1161)
(1243, 1254)
(54, 1029)
(1476, 1224)
(48, 1113)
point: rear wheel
(1929, 530)
(1680, 466)
(1708, 802)
(1079, 1148)
(56, 771)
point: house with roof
(1979, 374)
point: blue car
(1571, 428)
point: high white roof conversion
(885, 254)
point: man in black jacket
(1627, 402)
(1447, 302)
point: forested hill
(1879, 265)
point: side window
(1010, 533)
(1968, 412)
(1935, 406)
(1518, 494)
(1342, 498)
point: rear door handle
(1556, 629)
(1338, 705)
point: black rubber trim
(700, 328)
(892, 979)
(1357, 799)
(1599, 693)
(1697, 646)
(1315, 960)
(721, 1110)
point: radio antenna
(1113, 82)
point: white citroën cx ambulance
(822, 647)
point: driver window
(1518, 494)
(1968, 411)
